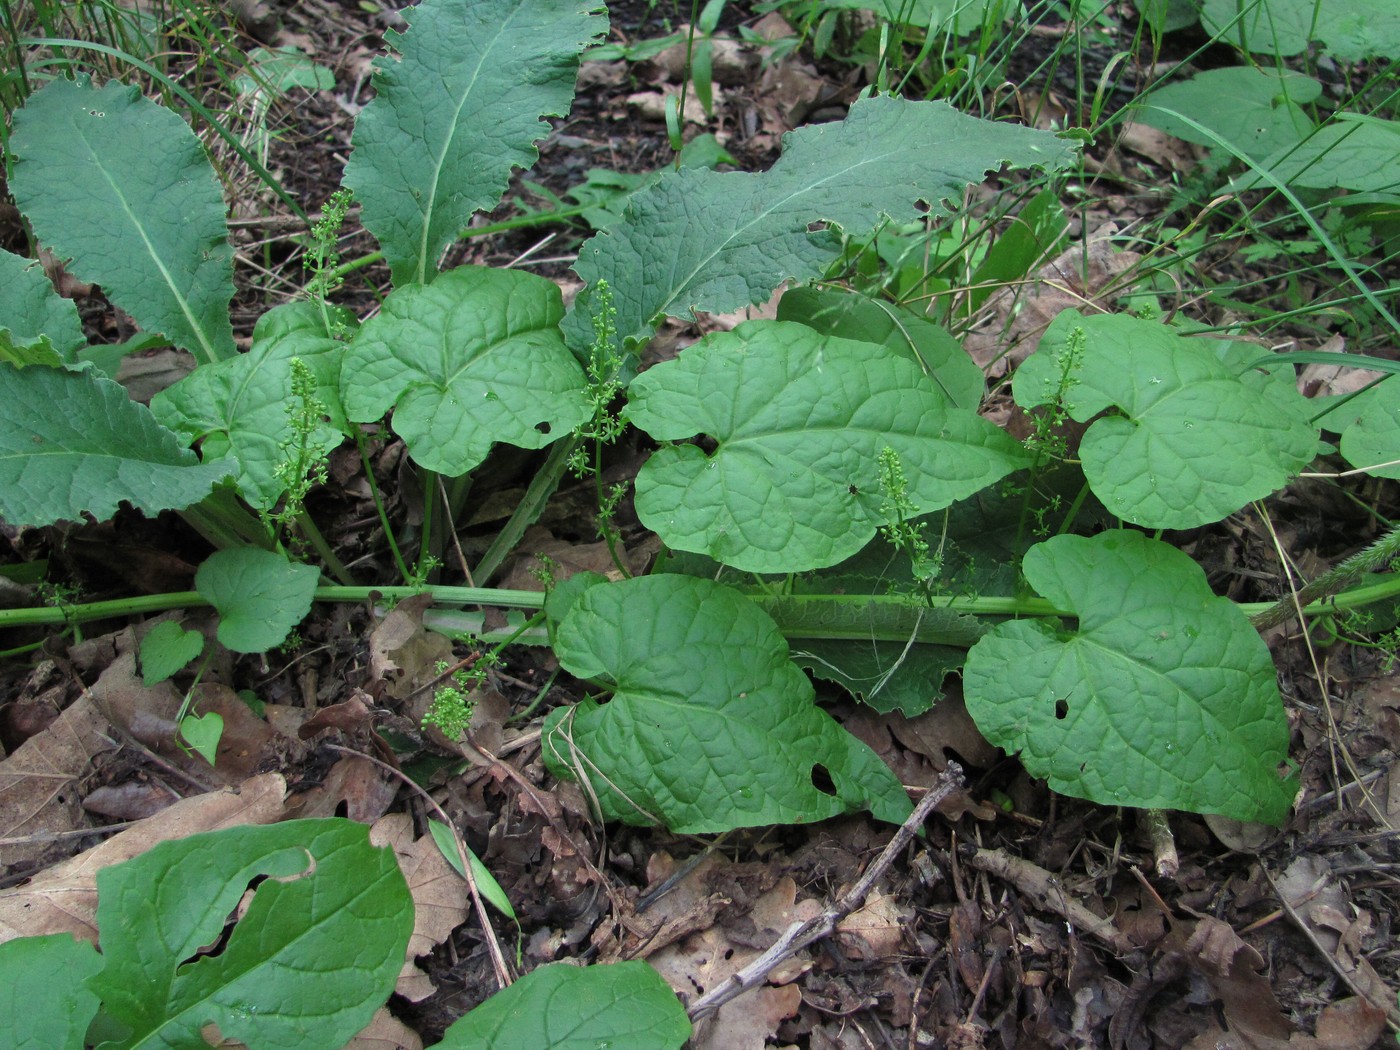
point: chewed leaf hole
(1061, 709)
(821, 780)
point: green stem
(225, 522)
(542, 486)
(1334, 581)
(426, 547)
(313, 536)
(404, 574)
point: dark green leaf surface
(1199, 434)
(73, 443)
(800, 420)
(239, 408)
(45, 1003)
(260, 596)
(705, 240)
(1164, 697)
(711, 725)
(122, 187)
(474, 358)
(1263, 113)
(456, 112)
(1370, 428)
(316, 953)
(625, 1006)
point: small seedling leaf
(800, 420)
(623, 1006)
(240, 408)
(1164, 697)
(474, 358)
(31, 310)
(711, 725)
(122, 186)
(166, 648)
(44, 997)
(73, 443)
(705, 240)
(1199, 434)
(202, 733)
(260, 596)
(456, 112)
(486, 883)
(314, 955)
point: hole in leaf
(821, 780)
(543, 428)
(1061, 709)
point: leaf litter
(1020, 921)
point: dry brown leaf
(386, 1032)
(873, 931)
(39, 782)
(1232, 969)
(440, 901)
(64, 898)
(360, 785)
(402, 652)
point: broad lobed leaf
(1164, 697)
(711, 726)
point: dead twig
(802, 934)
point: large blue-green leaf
(1352, 152)
(314, 954)
(800, 421)
(71, 444)
(474, 358)
(122, 187)
(705, 240)
(1350, 29)
(37, 325)
(242, 408)
(456, 112)
(45, 1003)
(1257, 111)
(625, 1006)
(1164, 697)
(711, 726)
(1196, 434)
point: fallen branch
(801, 934)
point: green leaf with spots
(456, 111)
(122, 186)
(305, 966)
(719, 241)
(37, 325)
(240, 408)
(100, 449)
(474, 358)
(624, 1006)
(1164, 697)
(711, 726)
(259, 595)
(1190, 434)
(799, 420)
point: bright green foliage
(800, 420)
(1354, 154)
(1164, 697)
(238, 408)
(474, 358)
(314, 956)
(625, 1006)
(851, 316)
(98, 449)
(711, 726)
(486, 883)
(37, 325)
(45, 1003)
(1350, 29)
(1257, 111)
(706, 240)
(167, 648)
(202, 734)
(1370, 427)
(456, 112)
(1196, 435)
(260, 596)
(123, 187)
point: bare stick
(800, 934)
